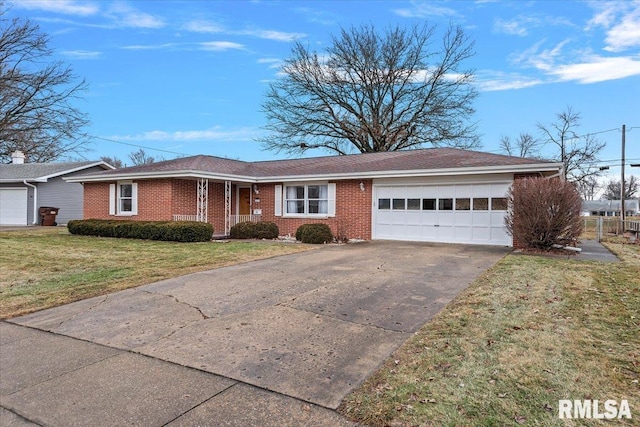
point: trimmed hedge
(254, 230)
(314, 233)
(175, 231)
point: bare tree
(589, 187)
(612, 189)
(141, 157)
(113, 161)
(524, 146)
(577, 153)
(36, 95)
(374, 92)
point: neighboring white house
(610, 207)
(25, 187)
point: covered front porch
(232, 200)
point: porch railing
(185, 217)
(235, 219)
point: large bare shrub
(543, 212)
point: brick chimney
(17, 158)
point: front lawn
(532, 330)
(46, 267)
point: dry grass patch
(530, 331)
(43, 268)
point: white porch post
(227, 207)
(202, 210)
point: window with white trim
(309, 199)
(123, 198)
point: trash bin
(48, 216)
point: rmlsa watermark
(611, 409)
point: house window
(307, 199)
(125, 198)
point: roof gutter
(548, 167)
(35, 201)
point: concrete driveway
(302, 329)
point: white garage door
(13, 206)
(460, 213)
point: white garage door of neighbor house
(460, 213)
(13, 206)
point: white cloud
(279, 36)
(126, 16)
(81, 54)
(272, 62)
(202, 26)
(491, 80)
(542, 60)
(621, 21)
(66, 7)
(514, 27)
(425, 10)
(598, 69)
(151, 46)
(317, 16)
(220, 46)
(626, 34)
(215, 133)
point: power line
(139, 146)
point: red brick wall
(96, 200)
(159, 199)
(353, 211)
(155, 197)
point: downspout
(35, 201)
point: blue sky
(189, 77)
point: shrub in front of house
(266, 230)
(314, 233)
(254, 230)
(176, 231)
(543, 212)
(243, 230)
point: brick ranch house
(435, 195)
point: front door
(244, 205)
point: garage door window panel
(481, 204)
(429, 204)
(445, 204)
(498, 203)
(398, 204)
(463, 204)
(384, 204)
(413, 204)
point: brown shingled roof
(409, 160)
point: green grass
(42, 268)
(532, 330)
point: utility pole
(622, 181)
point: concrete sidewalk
(592, 250)
(50, 379)
(279, 341)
